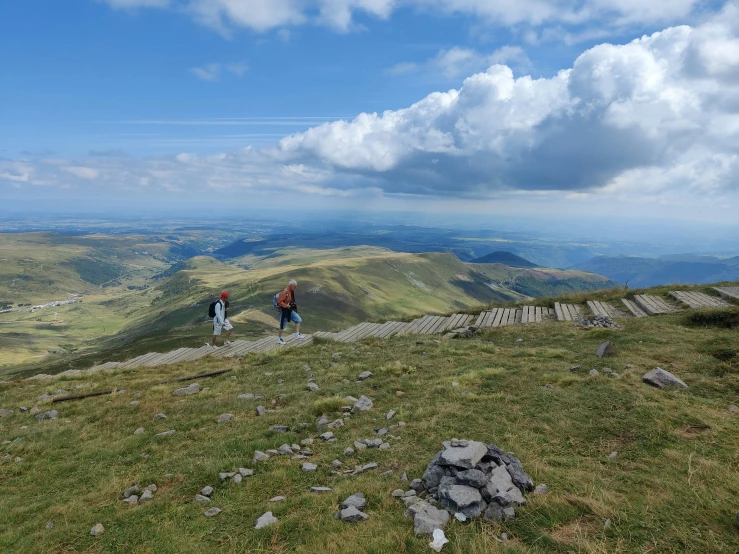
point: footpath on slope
(641, 306)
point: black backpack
(212, 308)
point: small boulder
(139, 431)
(352, 515)
(364, 375)
(97, 530)
(188, 390)
(356, 500)
(429, 518)
(265, 520)
(165, 433)
(313, 387)
(364, 404)
(6, 413)
(541, 489)
(207, 491)
(277, 499)
(606, 349)
(463, 456)
(260, 456)
(160, 416)
(307, 466)
(225, 418)
(662, 379)
(146, 496)
(211, 512)
(52, 414)
(201, 498)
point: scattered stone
(313, 387)
(504, 536)
(352, 515)
(519, 340)
(210, 512)
(277, 499)
(226, 475)
(306, 442)
(34, 410)
(320, 489)
(336, 424)
(594, 373)
(362, 405)
(207, 491)
(307, 466)
(188, 390)
(606, 349)
(52, 414)
(130, 491)
(97, 530)
(541, 489)
(260, 456)
(348, 451)
(327, 436)
(201, 498)
(133, 403)
(225, 418)
(165, 434)
(439, 540)
(607, 524)
(139, 431)
(265, 520)
(384, 446)
(247, 396)
(356, 500)
(132, 500)
(359, 445)
(245, 472)
(285, 450)
(398, 493)
(575, 368)
(459, 516)
(6, 413)
(279, 428)
(146, 497)
(260, 410)
(336, 464)
(160, 416)
(613, 454)
(734, 409)
(404, 478)
(49, 526)
(427, 518)
(662, 379)
(237, 479)
(364, 375)
(602, 321)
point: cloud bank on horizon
(656, 116)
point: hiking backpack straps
(212, 308)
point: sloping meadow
(629, 468)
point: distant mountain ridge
(505, 258)
(650, 272)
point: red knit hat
(224, 294)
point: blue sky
(102, 101)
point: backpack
(212, 308)
(274, 301)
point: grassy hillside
(505, 258)
(672, 485)
(151, 305)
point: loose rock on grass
(662, 379)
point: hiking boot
(227, 343)
(299, 336)
(280, 341)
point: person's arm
(283, 301)
(220, 313)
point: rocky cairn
(467, 479)
(602, 321)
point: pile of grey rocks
(351, 509)
(602, 321)
(467, 479)
(136, 495)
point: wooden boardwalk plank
(480, 318)
(175, 358)
(440, 326)
(432, 322)
(466, 322)
(353, 333)
(489, 317)
(539, 315)
(498, 318)
(633, 308)
(728, 292)
(558, 311)
(366, 332)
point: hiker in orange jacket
(289, 311)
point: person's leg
(229, 329)
(283, 323)
(297, 320)
(216, 332)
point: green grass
(338, 288)
(673, 487)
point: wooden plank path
(698, 299)
(652, 305)
(602, 308)
(567, 312)
(728, 292)
(633, 308)
(642, 306)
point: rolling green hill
(505, 258)
(151, 303)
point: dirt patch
(693, 431)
